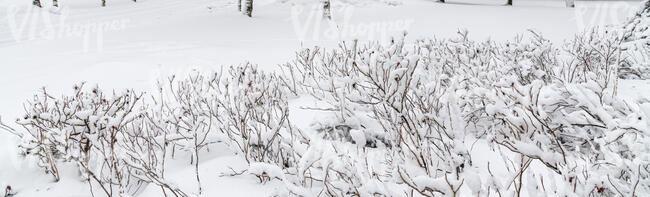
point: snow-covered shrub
(255, 108)
(596, 143)
(405, 119)
(574, 124)
(185, 111)
(636, 42)
(112, 138)
(395, 86)
(121, 141)
(546, 105)
(89, 128)
(417, 94)
(594, 52)
(240, 106)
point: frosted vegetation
(433, 117)
(636, 42)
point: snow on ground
(154, 38)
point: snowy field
(142, 42)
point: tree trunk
(37, 3)
(509, 2)
(327, 11)
(55, 3)
(570, 3)
(239, 5)
(442, 1)
(103, 3)
(249, 8)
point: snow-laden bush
(105, 134)
(636, 42)
(242, 107)
(407, 118)
(255, 110)
(433, 98)
(596, 143)
(574, 124)
(121, 142)
(393, 85)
